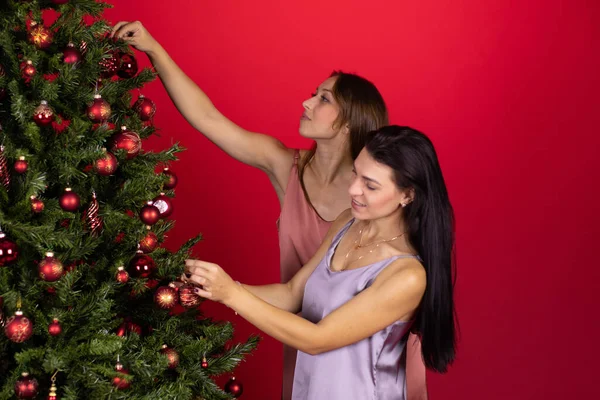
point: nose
(355, 189)
(308, 103)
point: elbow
(316, 346)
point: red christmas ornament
(109, 65)
(99, 110)
(149, 214)
(27, 70)
(40, 36)
(122, 275)
(60, 124)
(107, 165)
(127, 66)
(128, 141)
(54, 329)
(171, 355)
(18, 328)
(234, 388)
(26, 387)
(9, 252)
(121, 382)
(145, 108)
(71, 54)
(50, 268)
(128, 327)
(69, 200)
(141, 266)
(21, 165)
(204, 363)
(187, 297)
(164, 205)
(37, 205)
(43, 114)
(4, 175)
(172, 182)
(91, 219)
(52, 394)
(149, 242)
(165, 297)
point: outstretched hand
(135, 34)
(211, 280)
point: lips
(304, 117)
(358, 204)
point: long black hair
(430, 221)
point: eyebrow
(325, 90)
(366, 177)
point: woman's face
(374, 191)
(320, 113)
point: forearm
(189, 99)
(284, 326)
(279, 295)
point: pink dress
(301, 231)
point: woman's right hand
(135, 34)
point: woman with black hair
(385, 268)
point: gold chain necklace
(358, 244)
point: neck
(331, 160)
(383, 228)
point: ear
(408, 196)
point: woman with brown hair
(311, 185)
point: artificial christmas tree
(88, 308)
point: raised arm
(255, 149)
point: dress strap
(296, 156)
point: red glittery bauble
(43, 114)
(99, 110)
(18, 328)
(107, 165)
(204, 363)
(164, 205)
(141, 266)
(69, 200)
(187, 297)
(234, 388)
(119, 382)
(149, 242)
(54, 329)
(71, 54)
(122, 275)
(165, 297)
(50, 268)
(171, 355)
(172, 182)
(149, 214)
(37, 205)
(26, 387)
(9, 252)
(145, 108)
(109, 65)
(21, 165)
(27, 70)
(127, 66)
(40, 36)
(128, 141)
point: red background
(508, 93)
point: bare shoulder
(405, 273)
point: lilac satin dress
(373, 368)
